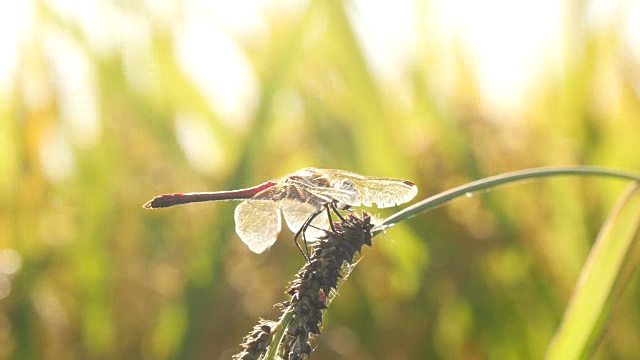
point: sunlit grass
(101, 278)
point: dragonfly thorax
(311, 177)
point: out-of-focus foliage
(87, 138)
(606, 273)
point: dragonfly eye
(347, 185)
(346, 192)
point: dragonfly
(305, 198)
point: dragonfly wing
(267, 200)
(302, 198)
(288, 197)
(257, 228)
(355, 189)
(296, 219)
(387, 192)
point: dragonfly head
(345, 193)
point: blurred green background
(105, 104)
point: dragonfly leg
(335, 210)
(329, 217)
(302, 230)
(295, 240)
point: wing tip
(260, 247)
(409, 183)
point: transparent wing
(267, 200)
(288, 198)
(296, 219)
(355, 189)
(257, 228)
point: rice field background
(103, 107)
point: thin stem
(278, 332)
(497, 180)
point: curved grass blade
(494, 181)
(612, 261)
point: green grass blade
(494, 181)
(278, 334)
(606, 273)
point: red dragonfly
(304, 197)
